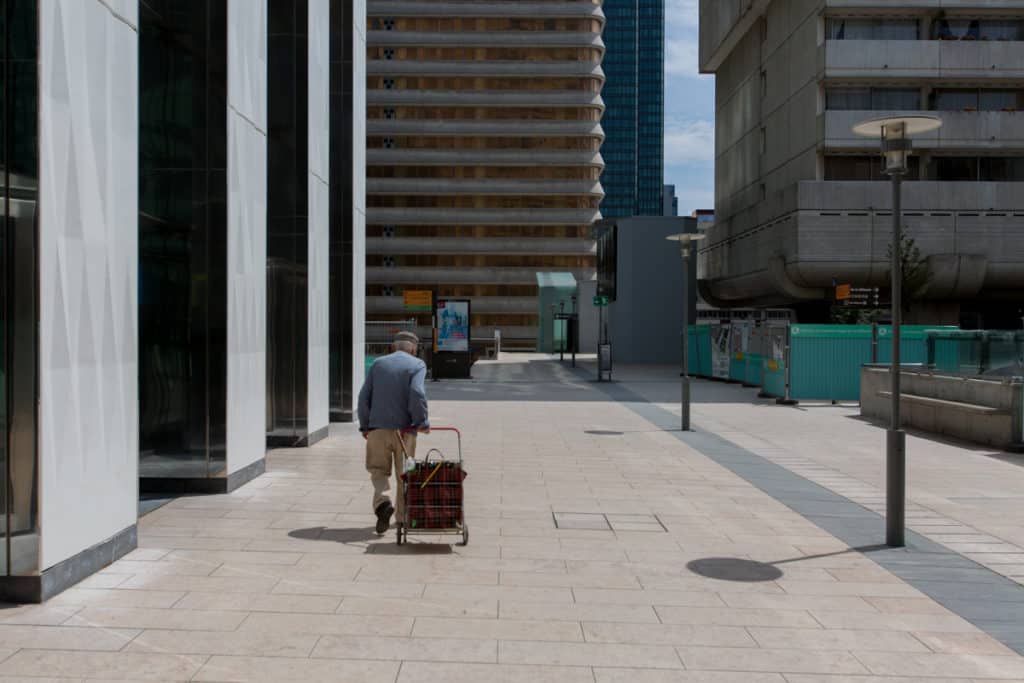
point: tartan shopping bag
(433, 494)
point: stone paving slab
(284, 578)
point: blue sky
(689, 112)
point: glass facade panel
(955, 168)
(873, 99)
(966, 28)
(288, 222)
(182, 238)
(1001, 100)
(19, 173)
(865, 168)
(634, 120)
(1001, 169)
(341, 208)
(840, 28)
(956, 100)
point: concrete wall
(319, 243)
(247, 232)
(980, 410)
(88, 274)
(646, 316)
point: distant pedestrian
(392, 400)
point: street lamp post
(685, 240)
(895, 132)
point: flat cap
(407, 337)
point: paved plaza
(604, 546)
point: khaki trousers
(384, 453)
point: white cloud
(681, 12)
(680, 58)
(689, 142)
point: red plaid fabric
(436, 504)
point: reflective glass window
(19, 343)
(955, 169)
(888, 28)
(956, 100)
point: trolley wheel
(465, 536)
(400, 533)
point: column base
(208, 485)
(64, 575)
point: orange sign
(843, 292)
(418, 300)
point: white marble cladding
(318, 391)
(358, 193)
(247, 232)
(88, 274)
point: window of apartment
(984, 169)
(864, 167)
(967, 28)
(882, 28)
(973, 99)
(873, 99)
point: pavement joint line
(1000, 614)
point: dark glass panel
(955, 168)
(956, 100)
(19, 343)
(182, 237)
(1001, 169)
(288, 222)
(341, 208)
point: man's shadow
(364, 536)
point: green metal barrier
(825, 361)
(700, 350)
(913, 342)
(974, 352)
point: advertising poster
(720, 350)
(453, 325)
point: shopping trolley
(432, 493)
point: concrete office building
(167, 201)
(484, 131)
(800, 200)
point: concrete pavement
(602, 548)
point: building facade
(634, 120)
(800, 201)
(166, 290)
(483, 154)
(669, 201)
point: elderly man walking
(392, 400)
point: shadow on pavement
(751, 571)
(734, 569)
(362, 537)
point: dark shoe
(384, 512)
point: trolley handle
(415, 430)
(458, 435)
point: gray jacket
(393, 396)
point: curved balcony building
(483, 153)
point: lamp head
(895, 132)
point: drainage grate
(603, 432)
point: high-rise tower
(483, 153)
(635, 117)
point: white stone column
(88, 421)
(247, 239)
(319, 82)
